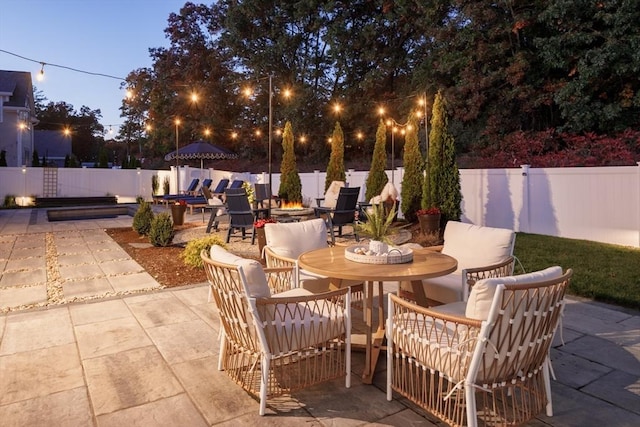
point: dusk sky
(100, 36)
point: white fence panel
(600, 204)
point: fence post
(316, 173)
(526, 224)
(638, 210)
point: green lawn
(603, 272)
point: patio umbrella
(201, 150)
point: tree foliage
(504, 68)
(443, 189)
(290, 184)
(411, 195)
(377, 177)
(335, 168)
(84, 126)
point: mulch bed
(163, 263)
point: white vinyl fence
(600, 204)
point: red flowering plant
(181, 202)
(263, 221)
(429, 211)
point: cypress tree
(35, 159)
(3, 158)
(335, 169)
(411, 195)
(443, 188)
(290, 184)
(377, 178)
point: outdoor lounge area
(148, 356)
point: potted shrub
(429, 220)
(258, 227)
(177, 211)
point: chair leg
(229, 233)
(221, 356)
(547, 386)
(470, 397)
(389, 350)
(263, 384)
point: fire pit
(294, 211)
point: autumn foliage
(552, 149)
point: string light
(62, 66)
(40, 76)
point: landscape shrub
(143, 218)
(191, 253)
(161, 232)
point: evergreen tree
(67, 161)
(3, 158)
(335, 169)
(443, 189)
(35, 159)
(103, 159)
(413, 172)
(377, 178)
(290, 184)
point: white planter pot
(378, 247)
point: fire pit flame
(290, 205)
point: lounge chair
(189, 191)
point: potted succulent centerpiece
(378, 228)
(429, 220)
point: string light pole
(270, 139)
(287, 93)
(177, 122)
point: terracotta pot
(177, 213)
(429, 224)
(262, 239)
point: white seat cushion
(389, 193)
(298, 325)
(292, 239)
(444, 288)
(481, 296)
(257, 286)
(475, 246)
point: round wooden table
(331, 262)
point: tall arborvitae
(413, 172)
(443, 175)
(335, 169)
(377, 176)
(290, 184)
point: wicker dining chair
(275, 341)
(486, 360)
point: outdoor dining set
(465, 339)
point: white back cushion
(293, 238)
(476, 246)
(389, 192)
(256, 286)
(331, 196)
(482, 292)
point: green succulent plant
(378, 226)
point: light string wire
(43, 63)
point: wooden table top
(331, 262)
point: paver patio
(151, 358)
